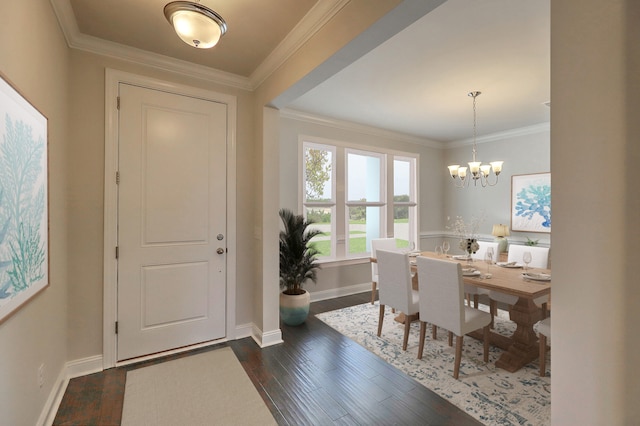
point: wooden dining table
(522, 346)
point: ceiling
(416, 82)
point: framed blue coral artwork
(531, 203)
(24, 213)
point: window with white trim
(356, 194)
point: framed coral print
(24, 213)
(531, 203)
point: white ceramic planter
(294, 309)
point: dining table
(521, 347)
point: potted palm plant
(297, 265)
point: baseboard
(94, 364)
(84, 366)
(71, 369)
(269, 338)
(244, 330)
(339, 292)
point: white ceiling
(416, 82)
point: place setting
(534, 276)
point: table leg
(524, 348)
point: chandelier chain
(474, 95)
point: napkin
(540, 276)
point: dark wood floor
(317, 377)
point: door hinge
(118, 103)
(118, 178)
(117, 252)
(116, 327)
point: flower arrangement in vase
(468, 233)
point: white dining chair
(539, 259)
(395, 288)
(441, 290)
(384, 244)
(474, 291)
(544, 332)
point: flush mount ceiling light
(195, 24)
(479, 172)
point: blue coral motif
(535, 200)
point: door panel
(171, 208)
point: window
(405, 205)
(364, 201)
(350, 192)
(319, 194)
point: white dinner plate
(471, 273)
(509, 264)
(460, 257)
(536, 277)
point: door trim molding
(112, 80)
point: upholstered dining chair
(539, 259)
(395, 289)
(441, 291)
(384, 244)
(470, 290)
(544, 332)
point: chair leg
(450, 339)
(543, 355)
(380, 319)
(456, 366)
(374, 285)
(468, 299)
(486, 343)
(544, 310)
(475, 301)
(423, 332)
(407, 327)
(434, 332)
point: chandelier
(195, 24)
(476, 171)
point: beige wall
(34, 57)
(333, 277)
(523, 154)
(595, 149)
(527, 153)
(595, 96)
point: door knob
(220, 250)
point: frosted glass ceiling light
(195, 24)
(477, 170)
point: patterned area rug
(491, 395)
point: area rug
(491, 395)
(210, 388)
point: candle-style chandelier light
(476, 171)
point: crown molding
(310, 24)
(315, 19)
(358, 128)
(498, 136)
(77, 40)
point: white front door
(171, 221)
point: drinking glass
(438, 251)
(445, 248)
(410, 247)
(488, 258)
(526, 258)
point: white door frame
(112, 80)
